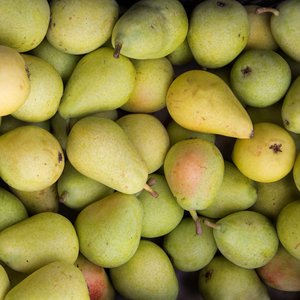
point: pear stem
(117, 50)
(196, 219)
(211, 224)
(261, 10)
(63, 197)
(150, 191)
(151, 181)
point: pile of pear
(146, 142)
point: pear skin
(201, 101)
(5, 283)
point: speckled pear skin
(100, 149)
(59, 280)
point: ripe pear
(287, 226)
(15, 277)
(150, 29)
(296, 171)
(109, 230)
(149, 274)
(246, 238)
(15, 83)
(23, 23)
(110, 84)
(268, 156)
(77, 191)
(188, 251)
(201, 101)
(260, 77)
(39, 201)
(99, 148)
(59, 280)
(218, 32)
(237, 192)
(12, 209)
(5, 283)
(149, 136)
(182, 55)
(162, 214)
(223, 73)
(32, 158)
(233, 282)
(60, 129)
(38, 240)
(153, 78)
(294, 65)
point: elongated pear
(201, 101)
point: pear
(5, 283)
(233, 282)
(39, 201)
(15, 83)
(59, 280)
(32, 158)
(149, 136)
(98, 282)
(294, 65)
(188, 251)
(79, 27)
(12, 209)
(162, 214)
(46, 89)
(182, 55)
(260, 77)
(261, 36)
(60, 129)
(77, 191)
(99, 148)
(282, 272)
(23, 23)
(178, 133)
(109, 230)
(201, 101)
(287, 226)
(150, 29)
(15, 277)
(110, 84)
(224, 73)
(153, 78)
(246, 238)
(33, 243)
(218, 32)
(149, 274)
(296, 172)
(237, 193)
(268, 156)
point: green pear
(58, 280)
(201, 101)
(188, 251)
(32, 158)
(296, 171)
(268, 156)
(60, 129)
(39, 201)
(260, 77)
(46, 89)
(149, 136)
(79, 27)
(99, 148)
(178, 133)
(233, 282)
(153, 78)
(64, 63)
(237, 192)
(15, 83)
(261, 36)
(12, 209)
(162, 214)
(246, 238)
(38, 240)
(77, 191)
(150, 29)
(274, 196)
(294, 65)
(98, 83)
(5, 283)
(23, 23)
(182, 55)
(149, 274)
(109, 230)
(218, 32)
(287, 226)
(223, 73)
(15, 277)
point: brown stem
(151, 181)
(150, 191)
(261, 10)
(211, 224)
(196, 219)
(117, 50)
(63, 197)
